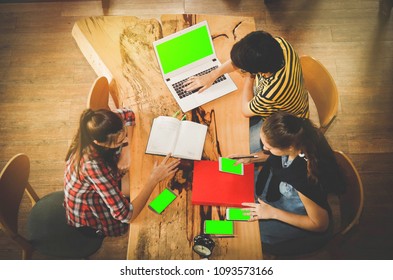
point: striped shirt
(92, 197)
(284, 90)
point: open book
(184, 139)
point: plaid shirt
(92, 198)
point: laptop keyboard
(179, 86)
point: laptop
(190, 52)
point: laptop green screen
(184, 49)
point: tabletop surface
(120, 48)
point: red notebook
(213, 187)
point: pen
(176, 113)
(184, 117)
(250, 156)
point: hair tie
(302, 155)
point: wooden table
(120, 48)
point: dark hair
(97, 125)
(283, 130)
(258, 52)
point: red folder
(213, 187)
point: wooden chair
(322, 89)
(47, 230)
(346, 208)
(352, 201)
(100, 91)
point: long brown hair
(97, 125)
(283, 130)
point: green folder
(227, 165)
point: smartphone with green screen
(218, 227)
(227, 165)
(162, 201)
(237, 214)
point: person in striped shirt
(273, 80)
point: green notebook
(227, 165)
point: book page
(190, 140)
(163, 135)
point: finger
(166, 158)
(173, 171)
(202, 89)
(249, 204)
(260, 200)
(174, 164)
(188, 82)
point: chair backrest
(47, 228)
(351, 202)
(13, 183)
(98, 97)
(322, 89)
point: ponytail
(310, 144)
(82, 138)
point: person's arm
(124, 162)
(317, 218)
(260, 157)
(160, 171)
(117, 204)
(107, 187)
(205, 81)
(247, 96)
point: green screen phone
(162, 201)
(227, 165)
(218, 227)
(237, 214)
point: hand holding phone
(237, 214)
(228, 165)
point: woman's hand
(241, 160)
(260, 210)
(163, 170)
(124, 162)
(255, 157)
(199, 82)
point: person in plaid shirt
(96, 161)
